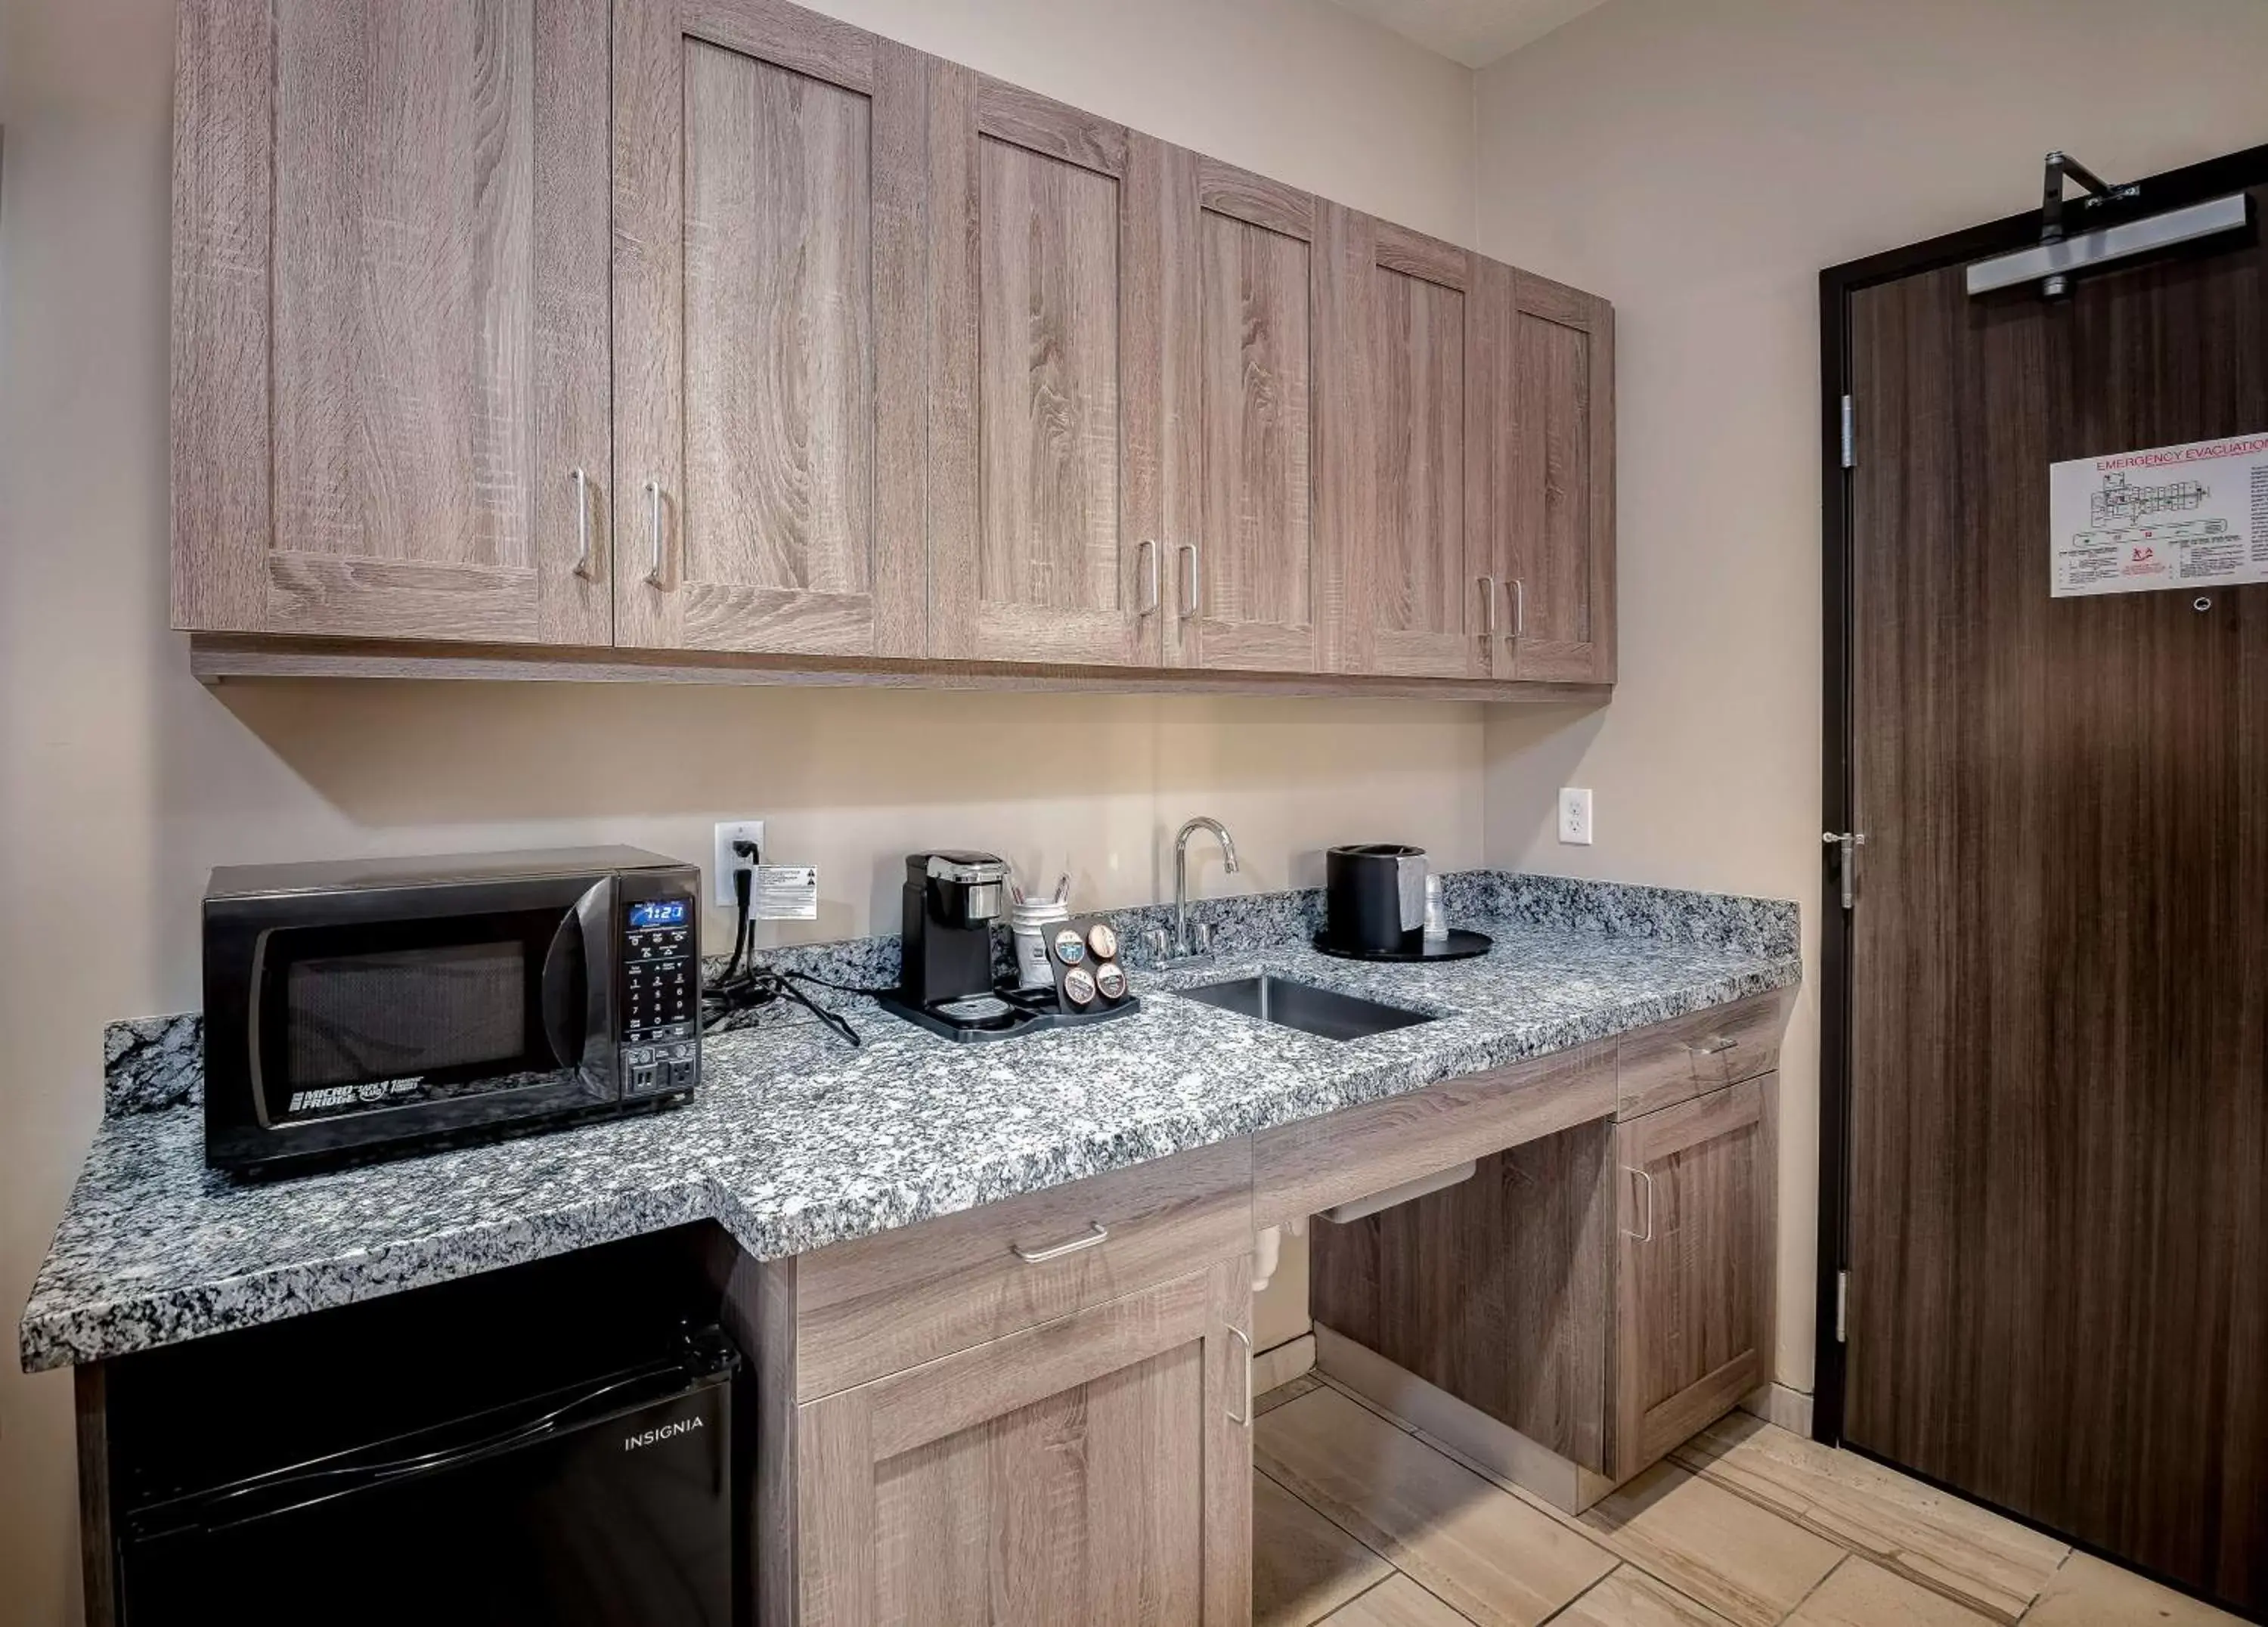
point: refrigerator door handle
(350, 1472)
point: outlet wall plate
(1574, 816)
(720, 885)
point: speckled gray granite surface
(796, 1140)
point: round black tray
(1459, 946)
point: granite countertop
(796, 1140)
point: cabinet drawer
(1676, 1061)
(879, 1305)
(1299, 1169)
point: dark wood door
(2058, 1292)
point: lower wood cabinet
(1693, 1295)
(1095, 1469)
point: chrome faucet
(1183, 943)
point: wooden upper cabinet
(1251, 583)
(1402, 488)
(723, 326)
(767, 332)
(1551, 434)
(389, 319)
(1043, 393)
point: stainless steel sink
(1303, 1006)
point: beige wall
(1699, 164)
(122, 781)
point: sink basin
(1303, 1006)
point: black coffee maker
(951, 901)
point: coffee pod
(1110, 979)
(1079, 985)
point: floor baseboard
(1280, 1364)
(1777, 1403)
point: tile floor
(1362, 1521)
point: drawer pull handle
(1646, 1236)
(1712, 1045)
(1095, 1233)
(1245, 1339)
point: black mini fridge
(549, 1482)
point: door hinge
(1846, 844)
(1842, 1307)
(1850, 434)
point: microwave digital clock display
(659, 912)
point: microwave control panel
(662, 995)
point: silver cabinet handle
(1519, 593)
(1245, 1339)
(1146, 553)
(1189, 591)
(654, 495)
(582, 524)
(1095, 1233)
(1713, 1045)
(1646, 1236)
(1488, 600)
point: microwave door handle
(563, 975)
(567, 974)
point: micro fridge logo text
(662, 1431)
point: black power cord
(743, 987)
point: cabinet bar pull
(1245, 1339)
(1488, 598)
(653, 493)
(1646, 1236)
(582, 523)
(1146, 553)
(1095, 1233)
(1713, 1045)
(1519, 593)
(1190, 591)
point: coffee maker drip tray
(1007, 1014)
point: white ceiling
(1475, 33)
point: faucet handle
(1200, 938)
(1160, 942)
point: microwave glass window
(357, 1017)
(394, 1013)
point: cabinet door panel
(1556, 512)
(1409, 605)
(1043, 412)
(391, 352)
(1693, 1329)
(769, 276)
(1249, 577)
(1095, 1469)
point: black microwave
(372, 1004)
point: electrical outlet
(1574, 816)
(728, 861)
